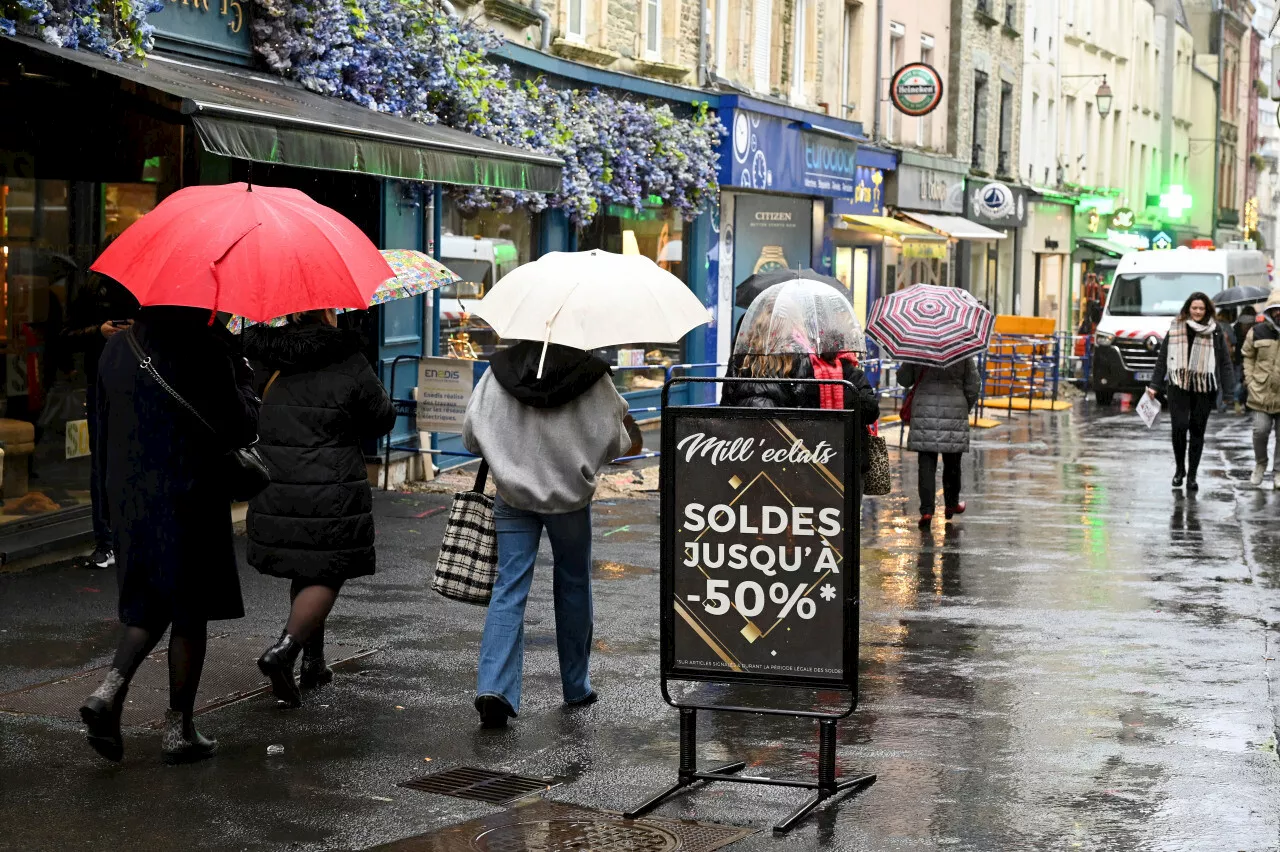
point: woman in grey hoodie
(545, 440)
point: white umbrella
(590, 299)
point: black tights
(312, 603)
(1189, 413)
(187, 646)
(928, 484)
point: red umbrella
(925, 324)
(259, 252)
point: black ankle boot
(314, 671)
(277, 663)
(101, 715)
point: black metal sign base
(824, 788)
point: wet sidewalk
(1085, 660)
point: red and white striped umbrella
(925, 324)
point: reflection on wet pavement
(1085, 660)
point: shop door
(857, 269)
(402, 322)
(1049, 278)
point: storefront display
(657, 233)
(480, 247)
(782, 171)
(50, 230)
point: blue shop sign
(785, 155)
(868, 195)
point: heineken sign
(916, 89)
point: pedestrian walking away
(545, 439)
(170, 508)
(313, 525)
(779, 339)
(1261, 359)
(941, 399)
(102, 310)
(1193, 364)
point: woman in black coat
(170, 508)
(314, 522)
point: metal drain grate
(230, 675)
(538, 825)
(481, 785)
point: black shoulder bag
(246, 473)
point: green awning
(256, 116)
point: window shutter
(761, 44)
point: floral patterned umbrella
(416, 273)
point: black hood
(566, 375)
(300, 347)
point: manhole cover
(586, 835)
(230, 675)
(482, 785)
(540, 825)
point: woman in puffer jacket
(314, 523)
(942, 398)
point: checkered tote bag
(468, 563)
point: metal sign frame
(826, 785)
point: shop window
(50, 231)
(657, 233)
(480, 248)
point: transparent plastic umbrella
(800, 317)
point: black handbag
(244, 470)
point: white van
(1147, 292)
(481, 262)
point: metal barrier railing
(1040, 370)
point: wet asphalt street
(1085, 661)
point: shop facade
(786, 176)
(191, 115)
(1047, 283)
(993, 265)
(929, 192)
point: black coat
(315, 520)
(776, 394)
(169, 506)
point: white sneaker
(1275, 483)
(1259, 470)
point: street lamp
(1103, 98)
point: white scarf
(1198, 370)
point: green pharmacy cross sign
(1175, 202)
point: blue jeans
(502, 648)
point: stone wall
(982, 43)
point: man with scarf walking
(1261, 353)
(1193, 364)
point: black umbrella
(761, 281)
(1236, 296)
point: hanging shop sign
(781, 155)
(916, 89)
(760, 556)
(925, 249)
(1123, 219)
(1162, 241)
(444, 390)
(996, 204)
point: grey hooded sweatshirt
(546, 439)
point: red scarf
(831, 396)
